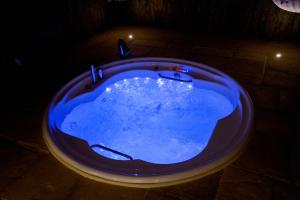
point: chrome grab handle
(112, 150)
(175, 78)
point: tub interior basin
(146, 115)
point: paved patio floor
(269, 169)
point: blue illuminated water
(155, 120)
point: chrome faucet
(123, 49)
(94, 75)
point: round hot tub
(149, 122)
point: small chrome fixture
(182, 69)
(100, 73)
(96, 74)
(93, 75)
(123, 49)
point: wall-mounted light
(130, 36)
(278, 55)
(288, 5)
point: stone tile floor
(269, 168)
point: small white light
(160, 82)
(278, 55)
(190, 86)
(116, 85)
(108, 89)
(130, 36)
(146, 80)
(125, 80)
(136, 78)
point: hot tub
(149, 122)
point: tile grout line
(282, 180)
(71, 191)
(31, 146)
(218, 186)
(264, 69)
(13, 180)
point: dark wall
(39, 23)
(52, 17)
(84, 16)
(37, 36)
(254, 18)
(258, 18)
(38, 30)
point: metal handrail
(174, 78)
(111, 150)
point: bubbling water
(156, 120)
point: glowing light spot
(278, 55)
(125, 80)
(160, 82)
(190, 86)
(116, 85)
(136, 78)
(108, 89)
(147, 79)
(130, 36)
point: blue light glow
(108, 89)
(155, 120)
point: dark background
(37, 35)
(247, 18)
(38, 55)
(27, 24)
